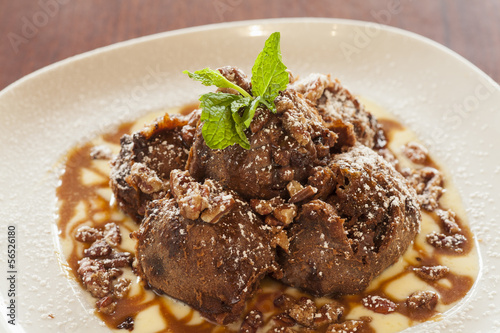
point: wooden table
(37, 33)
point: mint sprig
(227, 116)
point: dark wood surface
(36, 33)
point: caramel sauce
(86, 203)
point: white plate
(452, 105)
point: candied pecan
(144, 178)
(285, 213)
(280, 238)
(253, 320)
(112, 234)
(447, 217)
(284, 320)
(379, 304)
(127, 324)
(306, 193)
(86, 234)
(428, 182)
(191, 196)
(453, 243)
(95, 277)
(303, 312)
(431, 273)
(100, 152)
(415, 152)
(272, 221)
(348, 326)
(117, 260)
(120, 287)
(219, 206)
(106, 305)
(329, 313)
(293, 187)
(422, 300)
(265, 207)
(98, 249)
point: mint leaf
(269, 75)
(210, 77)
(227, 116)
(220, 130)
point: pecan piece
(253, 320)
(422, 300)
(86, 234)
(285, 213)
(415, 152)
(191, 196)
(98, 249)
(448, 218)
(379, 304)
(219, 206)
(112, 234)
(304, 194)
(144, 178)
(431, 273)
(454, 243)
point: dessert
(301, 217)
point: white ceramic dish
(452, 105)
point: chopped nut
(121, 287)
(422, 300)
(144, 178)
(117, 260)
(303, 312)
(86, 234)
(253, 320)
(285, 213)
(98, 249)
(95, 277)
(304, 194)
(280, 239)
(112, 234)
(431, 273)
(453, 243)
(262, 207)
(379, 304)
(428, 182)
(219, 206)
(284, 320)
(415, 152)
(272, 221)
(447, 217)
(293, 187)
(329, 313)
(191, 196)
